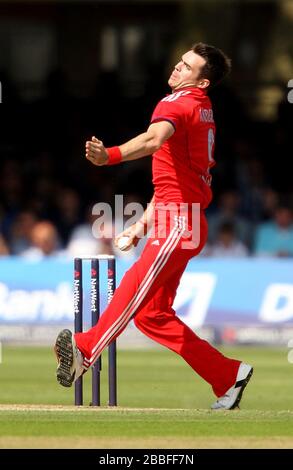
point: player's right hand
(134, 233)
(95, 152)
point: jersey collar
(198, 91)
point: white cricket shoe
(232, 397)
(69, 357)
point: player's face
(187, 72)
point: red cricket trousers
(146, 294)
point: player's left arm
(142, 145)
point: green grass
(181, 423)
(161, 401)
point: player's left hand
(95, 152)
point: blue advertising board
(212, 292)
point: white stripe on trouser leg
(144, 281)
(119, 323)
(154, 270)
(148, 277)
(141, 293)
(127, 314)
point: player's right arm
(144, 144)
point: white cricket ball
(123, 244)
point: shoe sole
(64, 352)
(245, 382)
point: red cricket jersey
(181, 166)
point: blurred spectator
(228, 212)
(38, 168)
(4, 250)
(11, 184)
(275, 238)
(44, 241)
(42, 196)
(20, 236)
(251, 181)
(227, 245)
(11, 193)
(68, 212)
(270, 202)
(82, 241)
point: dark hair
(227, 227)
(217, 65)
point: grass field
(162, 404)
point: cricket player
(180, 139)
